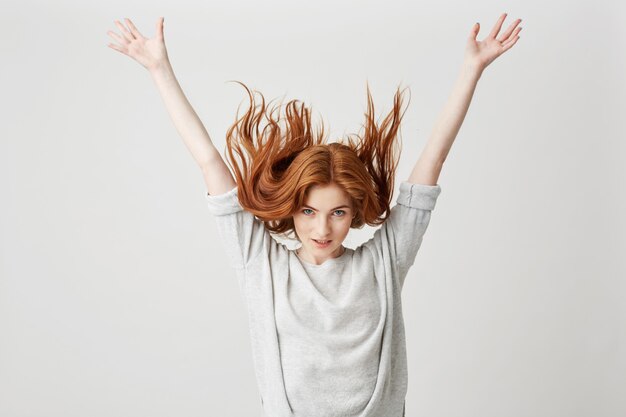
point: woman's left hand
(479, 54)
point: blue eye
(336, 211)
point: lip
(320, 245)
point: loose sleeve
(241, 233)
(400, 236)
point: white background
(116, 300)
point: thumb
(475, 30)
(159, 26)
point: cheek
(299, 224)
(344, 228)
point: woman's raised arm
(478, 55)
(152, 55)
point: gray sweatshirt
(327, 340)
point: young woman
(325, 321)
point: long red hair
(276, 165)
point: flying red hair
(275, 166)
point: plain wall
(115, 297)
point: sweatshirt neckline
(330, 261)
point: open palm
(148, 52)
(482, 53)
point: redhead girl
(326, 323)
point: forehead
(327, 196)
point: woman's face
(325, 216)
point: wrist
(160, 68)
(471, 70)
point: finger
(506, 35)
(512, 36)
(117, 37)
(159, 27)
(497, 26)
(475, 30)
(127, 35)
(133, 29)
(117, 48)
(508, 45)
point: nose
(323, 227)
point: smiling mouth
(322, 241)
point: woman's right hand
(151, 53)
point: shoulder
(225, 203)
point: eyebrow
(344, 206)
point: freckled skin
(320, 219)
